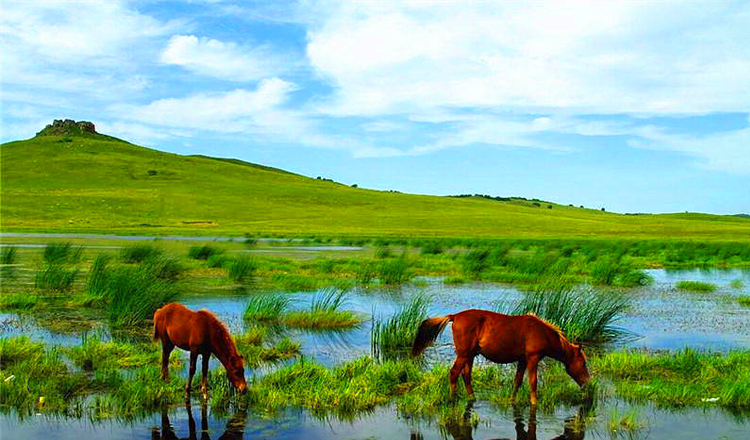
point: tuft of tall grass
(627, 422)
(139, 252)
(431, 248)
(98, 275)
(325, 312)
(294, 282)
(242, 268)
(18, 301)
(8, 255)
(383, 252)
(133, 294)
(736, 284)
(204, 252)
(744, 300)
(55, 277)
(394, 336)
(266, 307)
(696, 286)
(582, 314)
(395, 271)
(475, 261)
(57, 253)
(163, 267)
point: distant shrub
(696, 286)
(204, 252)
(139, 252)
(57, 253)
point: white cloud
(585, 57)
(233, 111)
(223, 60)
(724, 151)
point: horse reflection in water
(463, 430)
(235, 429)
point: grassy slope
(78, 184)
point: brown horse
(503, 339)
(200, 333)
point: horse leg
(166, 350)
(193, 361)
(533, 362)
(458, 367)
(204, 380)
(520, 370)
(466, 374)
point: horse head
(576, 365)
(236, 374)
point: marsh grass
(8, 255)
(744, 300)
(394, 271)
(294, 282)
(383, 252)
(204, 252)
(98, 275)
(133, 294)
(394, 336)
(325, 312)
(18, 301)
(696, 286)
(218, 260)
(59, 253)
(627, 422)
(241, 268)
(93, 354)
(266, 307)
(139, 252)
(55, 277)
(582, 314)
(736, 284)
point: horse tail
(428, 331)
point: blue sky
(631, 106)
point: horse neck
(223, 346)
(565, 351)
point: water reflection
(235, 428)
(573, 429)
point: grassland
(97, 184)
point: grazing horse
(503, 339)
(200, 333)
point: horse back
(180, 325)
(498, 337)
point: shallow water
(663, 317)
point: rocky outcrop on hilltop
(67, 127)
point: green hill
(81, 181)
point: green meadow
(97, 183)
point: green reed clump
(475, 262)
(696, 286)
(431, 248)
(163, 267)
(55, 277)
(582, 314)
(204, 252)
(241, 268)
(218, 260)
(394, 271)
(394, 336)
(98, 275)
(325, 312)
(93, 354)
(18, 301)
(676, 379)
(266, 307)
(736, 284)
(133, 294)
(256, 354)
(294, 282)
(627, 422)
(454, 280)
(58, 253)
(8, 255)
(383, 252)
(366, 272)
(744, 300)
(139, 252)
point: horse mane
(564, 342)
(223, 334)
